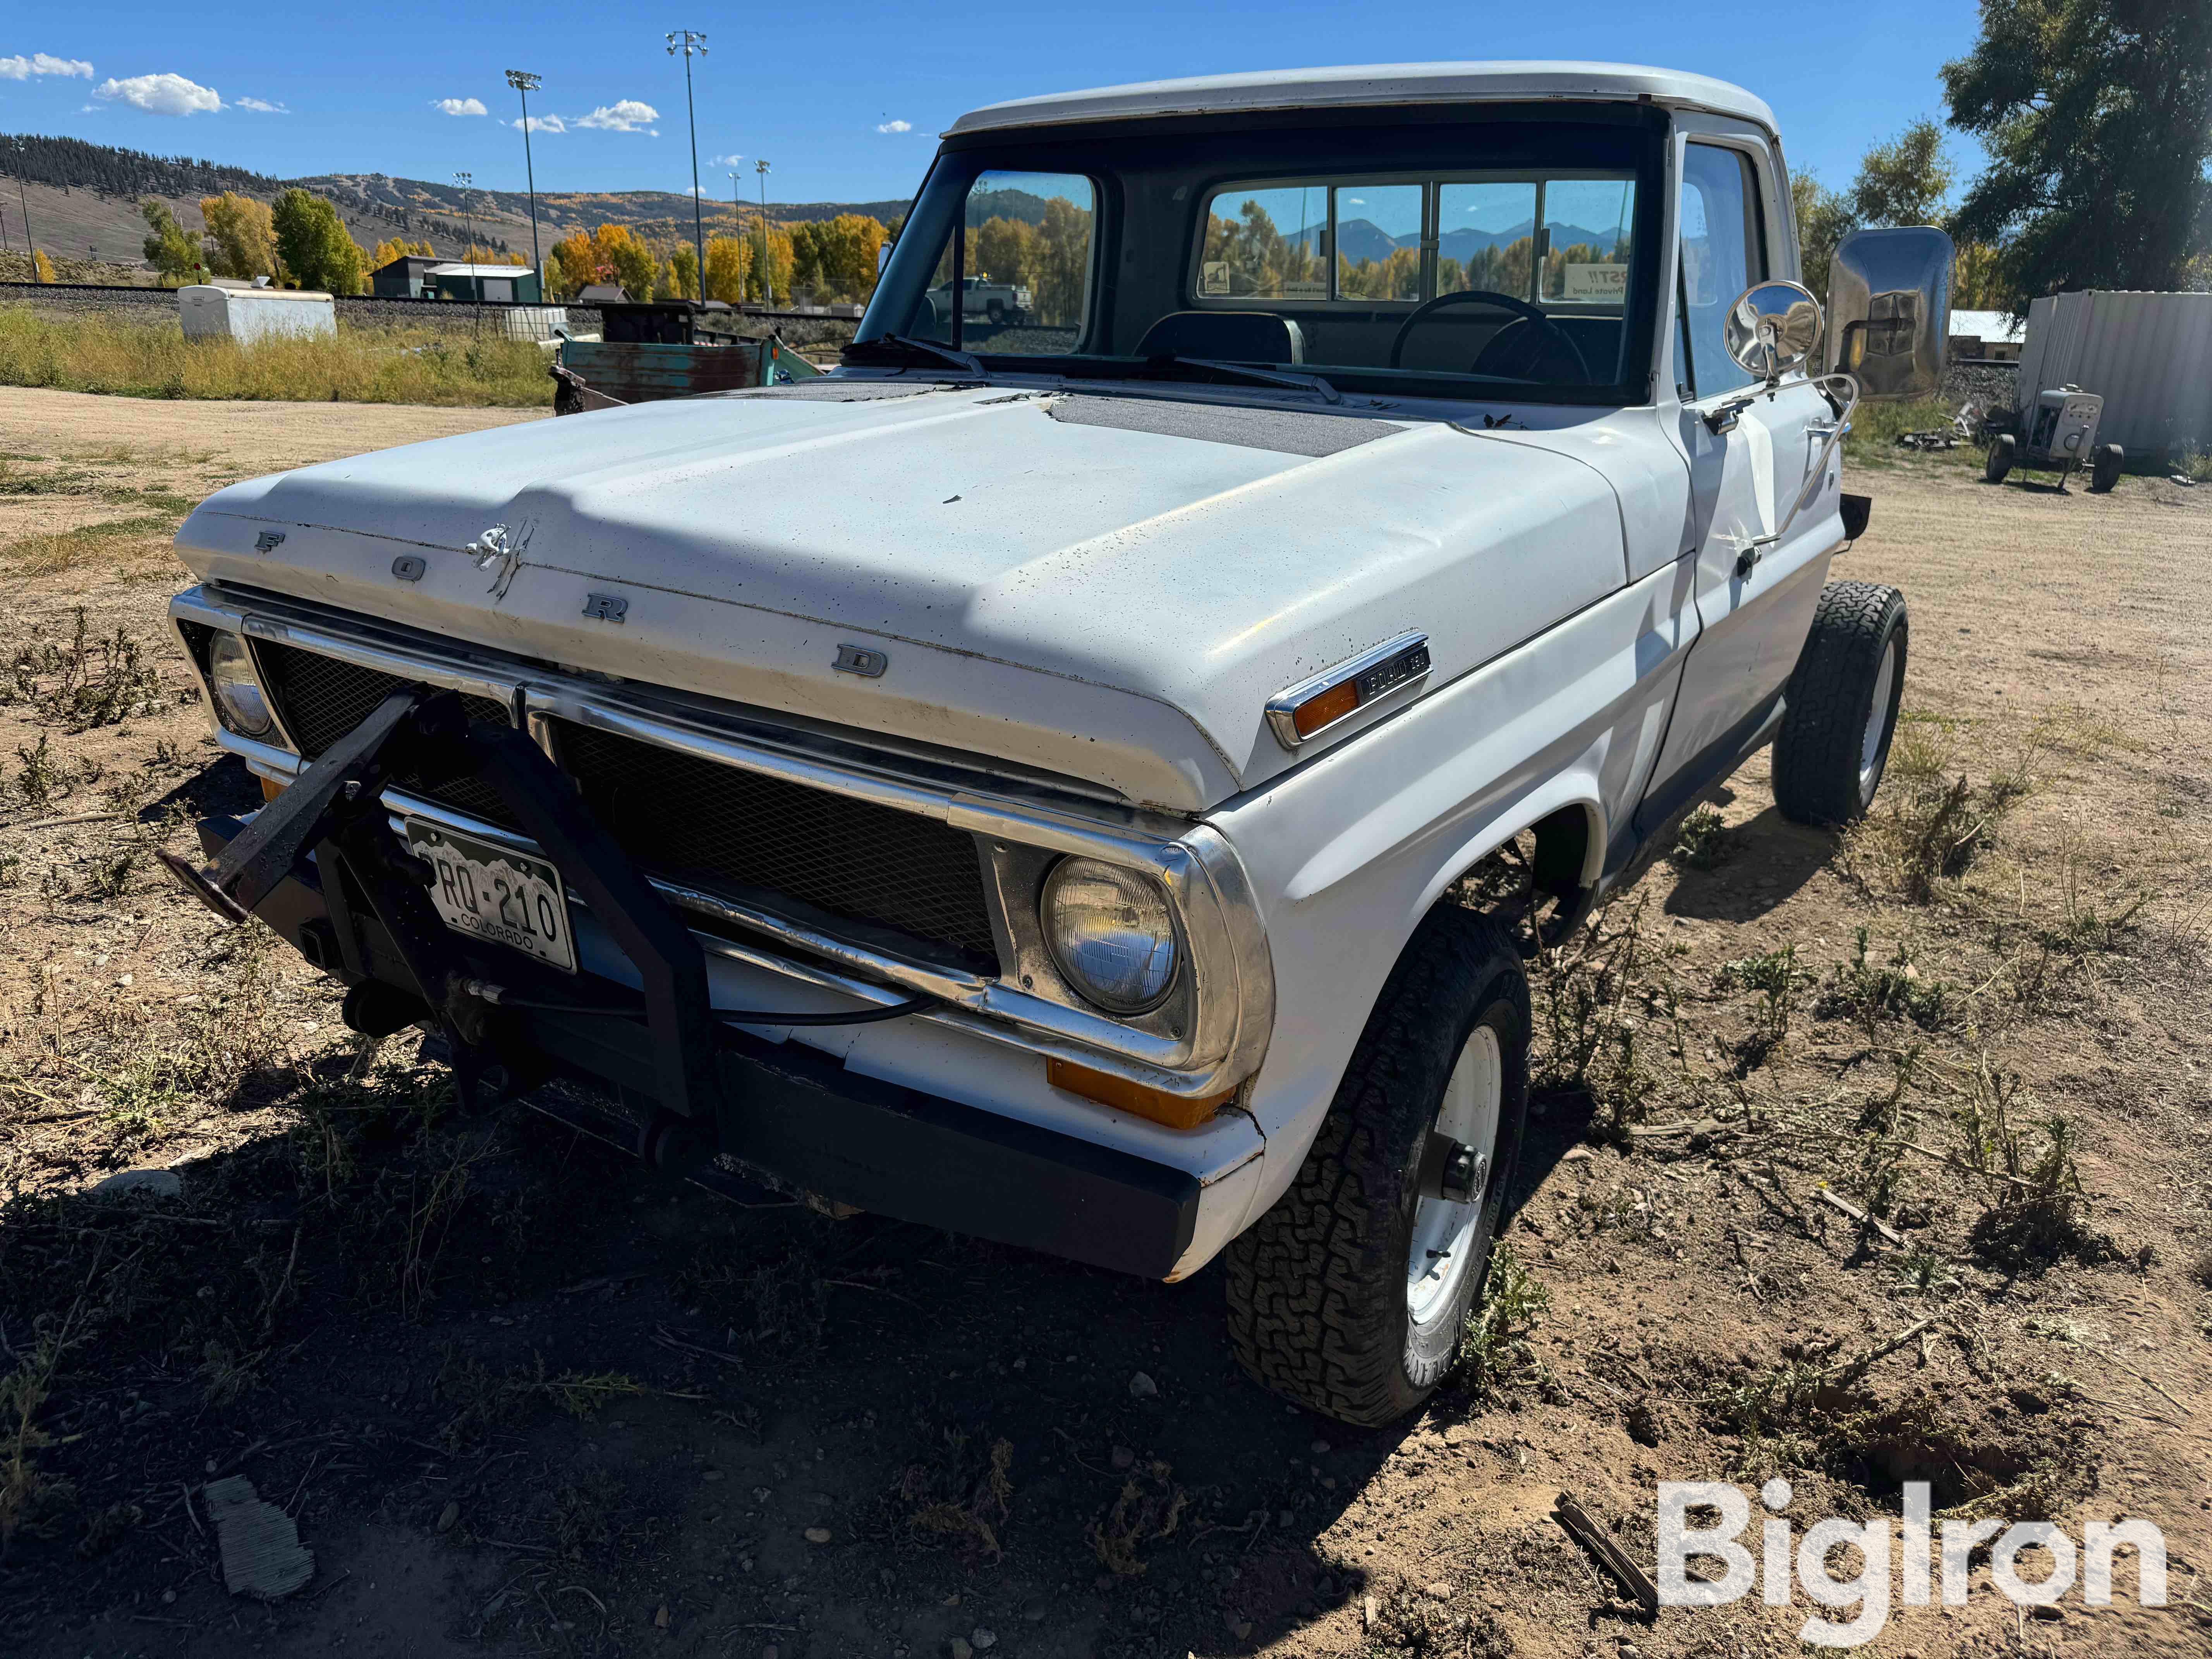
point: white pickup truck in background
(1033, 791)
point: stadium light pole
(526, 82)
(689, 41)
(736, 218)
(767, 293)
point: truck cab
(1029, 781)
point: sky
(844, 102)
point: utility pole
(767, 293)
(525, 84)
(689, 41)
(34, 247)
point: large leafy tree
(169, 248)
(2098, 119)
(1905, 181)
(242, 235)
(312, 242)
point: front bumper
(809, 1123)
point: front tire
(1840, 709)
(2105, 461)
(1348, 1297)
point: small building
(406, 277)
(492, 284)
(232, 312)
(603, 293)
(1991, 335)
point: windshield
(1507, 257)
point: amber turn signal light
(1312, 705)
(1176, 1111)
(271, 788)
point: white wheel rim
(1443, 1248)
(1877, 726)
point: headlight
(1111, 934)
(238, 698)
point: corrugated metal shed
(2149, 355)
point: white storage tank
(219, 311)
(2149, 355)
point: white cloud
(896, 126)
(162, 94)
(42, 62)
(261, 106)
(459, 105)
(538, 124)
(724, 160)
(625, 115)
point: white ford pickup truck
(1033, 794)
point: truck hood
(1109, 587)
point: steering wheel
(1552, 339)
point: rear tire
(2105, 461)
(2004, 451)
(1840, 709)
(1325, 1308)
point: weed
(1923, 1272)
(1588, 1040)
(1703, 841)
(481, 1400)
(583, 1512)
(434, 1199)
(40, 778)
(1494, 1345)
(1933, 824)
(96, 681)
(24, 1492)
(1865, 992)
(66, 549)
(112, 872)
(1148, 1508)
(963, 1494)
(1775, 975)
(226, 1374)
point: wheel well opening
(1533, 880)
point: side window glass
(1266, 244)
(1378, 241)
(1487, 237)
(1025, 267)
(1721, 258)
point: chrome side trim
(1210, 1037)
(1283, 707)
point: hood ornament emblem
(500, 550)
(269, 541)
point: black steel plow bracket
(422, 733)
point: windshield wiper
(1263, 376)
(960, 360)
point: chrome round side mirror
(1773, 329)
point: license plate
(493, 894)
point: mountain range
(1361, 239)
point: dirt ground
(520, 1396)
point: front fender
(1348, 853)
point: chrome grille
(322, 698)
(813, 857)
(721, 826)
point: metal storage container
(210, 311)
(2149, 355)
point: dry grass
(153, 360)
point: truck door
(1755, 596)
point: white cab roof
(1375, 84)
